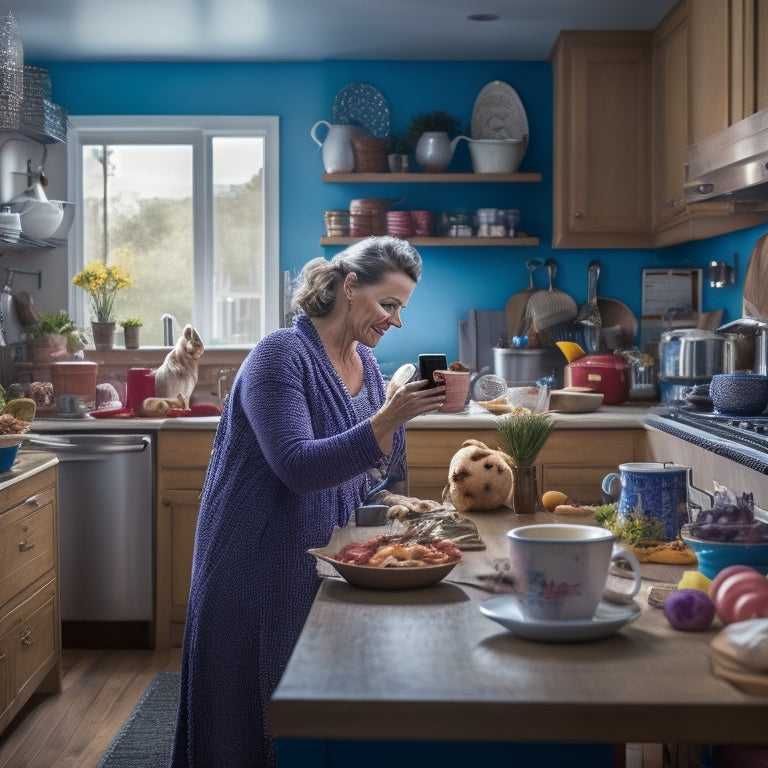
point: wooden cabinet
(182, 461)
(671, 114)
(438, 178)
(574, 461)
(626, 107)
(30, 629)
(602, 154)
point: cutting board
(755, 300)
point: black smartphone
(428, 364)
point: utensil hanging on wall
(517, 325)
(588, 321)
(550, 307)
(40, 217)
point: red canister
(608, 374)
(139, 385)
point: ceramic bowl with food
(739, 394)
(713, 556)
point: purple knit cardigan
(288, 464)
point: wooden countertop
(427, 665)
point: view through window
(189, 213)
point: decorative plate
(362, 104)
(371, 577)
(609, 618)
(498, 113)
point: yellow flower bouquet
(101, 283)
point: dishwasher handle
(95, 448)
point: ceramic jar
(433, 151)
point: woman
(306, 433)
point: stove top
(744, 439)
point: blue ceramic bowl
(8, 456)
(739, 394)
(713, 556)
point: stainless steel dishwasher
(105, 524)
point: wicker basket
(370, 154)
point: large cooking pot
(755, 331)
(608, 374)
(691, 353)
(521, 367)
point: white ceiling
(310, 30)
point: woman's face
(377, 307)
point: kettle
(755, 332)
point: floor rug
(146, 738)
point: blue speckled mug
(652, 489)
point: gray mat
(146, 738)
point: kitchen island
(426, 665)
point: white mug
(560, 570)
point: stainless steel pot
(754, 330)
(520, 367)
(691, 353)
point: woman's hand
(403, 404)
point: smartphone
(428, 364)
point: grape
(689, 610)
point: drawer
(27, 543)
(29, 643)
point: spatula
(516, 306)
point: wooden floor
(73, 729)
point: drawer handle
(3, 654)
(25, 546)
(33, 501)
(26, 639)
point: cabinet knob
(577, 214)
(25, 546)
(165, 502)
(26, 638)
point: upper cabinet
(619, 155)
(602, 88)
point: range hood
(731, 164)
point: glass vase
(525, 491)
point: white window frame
(199, 132)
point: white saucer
(608, 619)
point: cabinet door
(602, 140)
(671, 134)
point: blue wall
(455, 279)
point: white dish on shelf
(609, 618)
(499, 114)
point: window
(189, 206)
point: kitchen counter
(425, 664)
(90, 424)
(627, 416)
(27, 464)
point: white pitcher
(338, 155)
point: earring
(349, 304)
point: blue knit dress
(291, 460)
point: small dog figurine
(177, 376)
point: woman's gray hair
(370, 259)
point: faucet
(168, 321)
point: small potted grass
(130, 328)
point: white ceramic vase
(433, 151)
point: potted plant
(432, 132)
(102, 283)
(399, 148)
(522, 437)
(56, 337)
(130, 328)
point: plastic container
(77, 379)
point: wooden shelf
(447, 241)
(431, 178)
